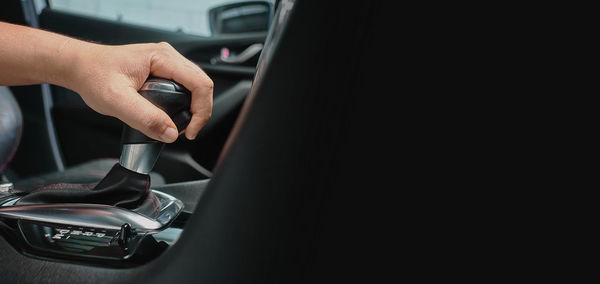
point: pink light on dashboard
(224, 52)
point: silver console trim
(98, 215)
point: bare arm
(106, 77)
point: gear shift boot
(121, 187)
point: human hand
(108, 77)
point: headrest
(11, 124)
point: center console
(121, 221)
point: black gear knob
(140, 152)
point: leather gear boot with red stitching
(121, 187)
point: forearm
(32, 56)
(107, 77)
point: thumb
(141, 114)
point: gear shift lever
(127, 184)
(139, 152)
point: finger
(201, 86)
(201, 109)
(173, 65)
(141, 114)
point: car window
(187, 16)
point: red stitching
(62, 186)
(67, 185)
(154, 205)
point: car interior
(259, 196)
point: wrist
(70, 63)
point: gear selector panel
(90, 232)
(74, 240)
